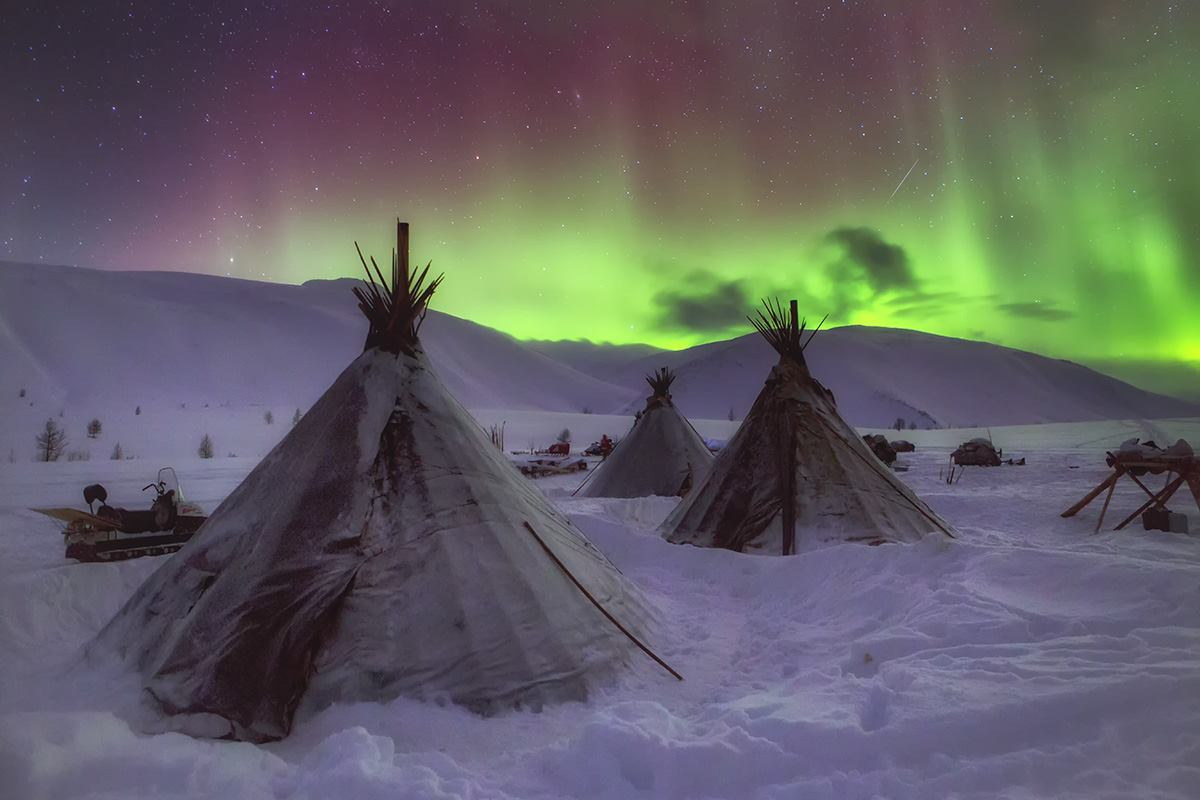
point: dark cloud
(865, 253)
(922, 303)
(1045, 312)
(712, 306)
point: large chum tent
(796, 474)
(383, 548)
(662, 455)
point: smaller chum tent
(662, 454)
(796, 475)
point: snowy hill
(72, 336)
(879, 374)
(91, 342)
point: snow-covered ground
(1029, 658)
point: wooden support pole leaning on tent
(596, 603)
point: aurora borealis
(1020, 171)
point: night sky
(1022, 171)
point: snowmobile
(116, 534)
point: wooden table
(1179, 470)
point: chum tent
(383, 548)
(661, 455)
(796, 475)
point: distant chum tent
(795, 474)
(662, 455)
(383, 548)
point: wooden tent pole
(787, 463)
(402, 251)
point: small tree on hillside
(21, 393)
(117, 454)
(137, 412)
(206, 447)
(898, 424)
(268, 417)
(731, 415)
(912, 426)
(51, 442)
(564, 435)
(93, 428)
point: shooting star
(902, 180)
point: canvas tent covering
(796, 475)
(383, 548)
(662, 455)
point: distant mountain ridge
(77, 336)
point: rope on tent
(596, 603)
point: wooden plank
(1112, 487)
(1159, 499)
(1145, 488)
(1193, 482)
(1094, 493)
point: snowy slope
(879, 374)
(1028, 659)
(72, 335)
(598, 360)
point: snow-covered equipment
(541, 466)
(881, 447)
(383, 548)
(977, 453)
(1136, 460)
(111, 533)
(796, 475)
(601, 448)
(662, 455)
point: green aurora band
(1065, 222)
(1021, 171)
